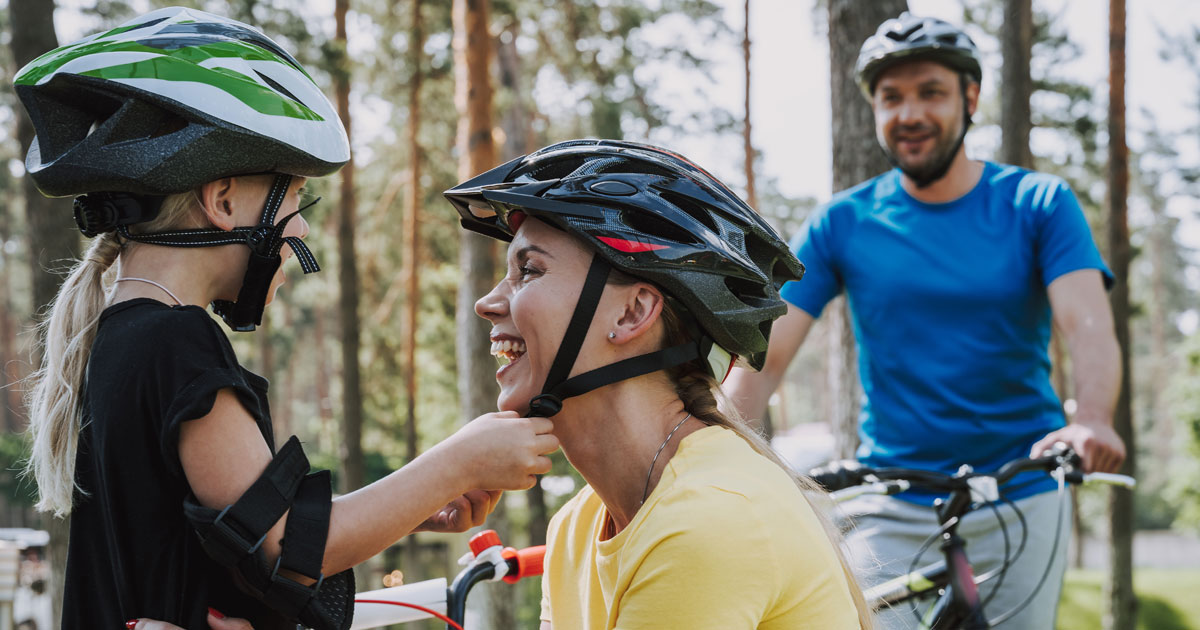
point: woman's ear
(216, 199)
(643, 306)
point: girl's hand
(463, 513)
(503, 451)
(216, 621)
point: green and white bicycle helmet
(171, 100)
(165, 103)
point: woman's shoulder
(719, 461)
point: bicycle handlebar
(840, 477)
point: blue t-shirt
(951, 314)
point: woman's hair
(55, 398)
(700, 393)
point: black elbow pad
(233, 537)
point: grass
(1168, 599)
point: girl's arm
(223, 453)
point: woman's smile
(508, 348)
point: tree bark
(477, 253)
(412, 231)
(1122, 610)
(353, 473)
(748, 146)
(53, 238)
(1016, 45)
(856, 157)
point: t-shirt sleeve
(703, 578)
(814, 246)
(195, 362)
(1064, 240)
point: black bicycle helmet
(658, 217)
(165, 103)
(909, 37)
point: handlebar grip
(523, 563)
(838, 475)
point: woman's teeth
(508, 349)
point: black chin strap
(558, 387)
(265, 241)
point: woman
(188, 138)
(634, 281)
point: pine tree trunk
(477, 253)
(412, 231)
(1122, 611)
(856, 157)
(53, 237)
(353, 474)
(1016, 44)
(748, 146)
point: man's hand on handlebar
(1096, 443)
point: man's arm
(1083, 315)
(749, 391)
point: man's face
(919, 114)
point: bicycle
(488, 560)
(952, 581)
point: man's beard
(935, 166)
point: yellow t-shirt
(726, 541)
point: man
(954, 269)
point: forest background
(380, 357)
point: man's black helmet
(909, 37)
(656, 216)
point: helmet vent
(654, 226)
(277, 87)
(749, 292)
(689, 206)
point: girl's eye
(527, 271)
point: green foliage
(1184, 396)
(1166, 600)
(14, 485)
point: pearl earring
(612, 335)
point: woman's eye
(526, 271)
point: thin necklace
(646, 491)
(165, 289)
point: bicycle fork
(959, 607)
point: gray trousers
(885, 533)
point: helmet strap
(265, 241)
(559, 387)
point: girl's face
(530, 309)
(251, 208)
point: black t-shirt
(132, 553)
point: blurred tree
(353, 475)
(53, 239)
(477, 253)
(1122, 608)
(1016, 37)
(856, 158)
(747, 145)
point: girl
(635, 280)
(188, 138)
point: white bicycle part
(430, 593)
